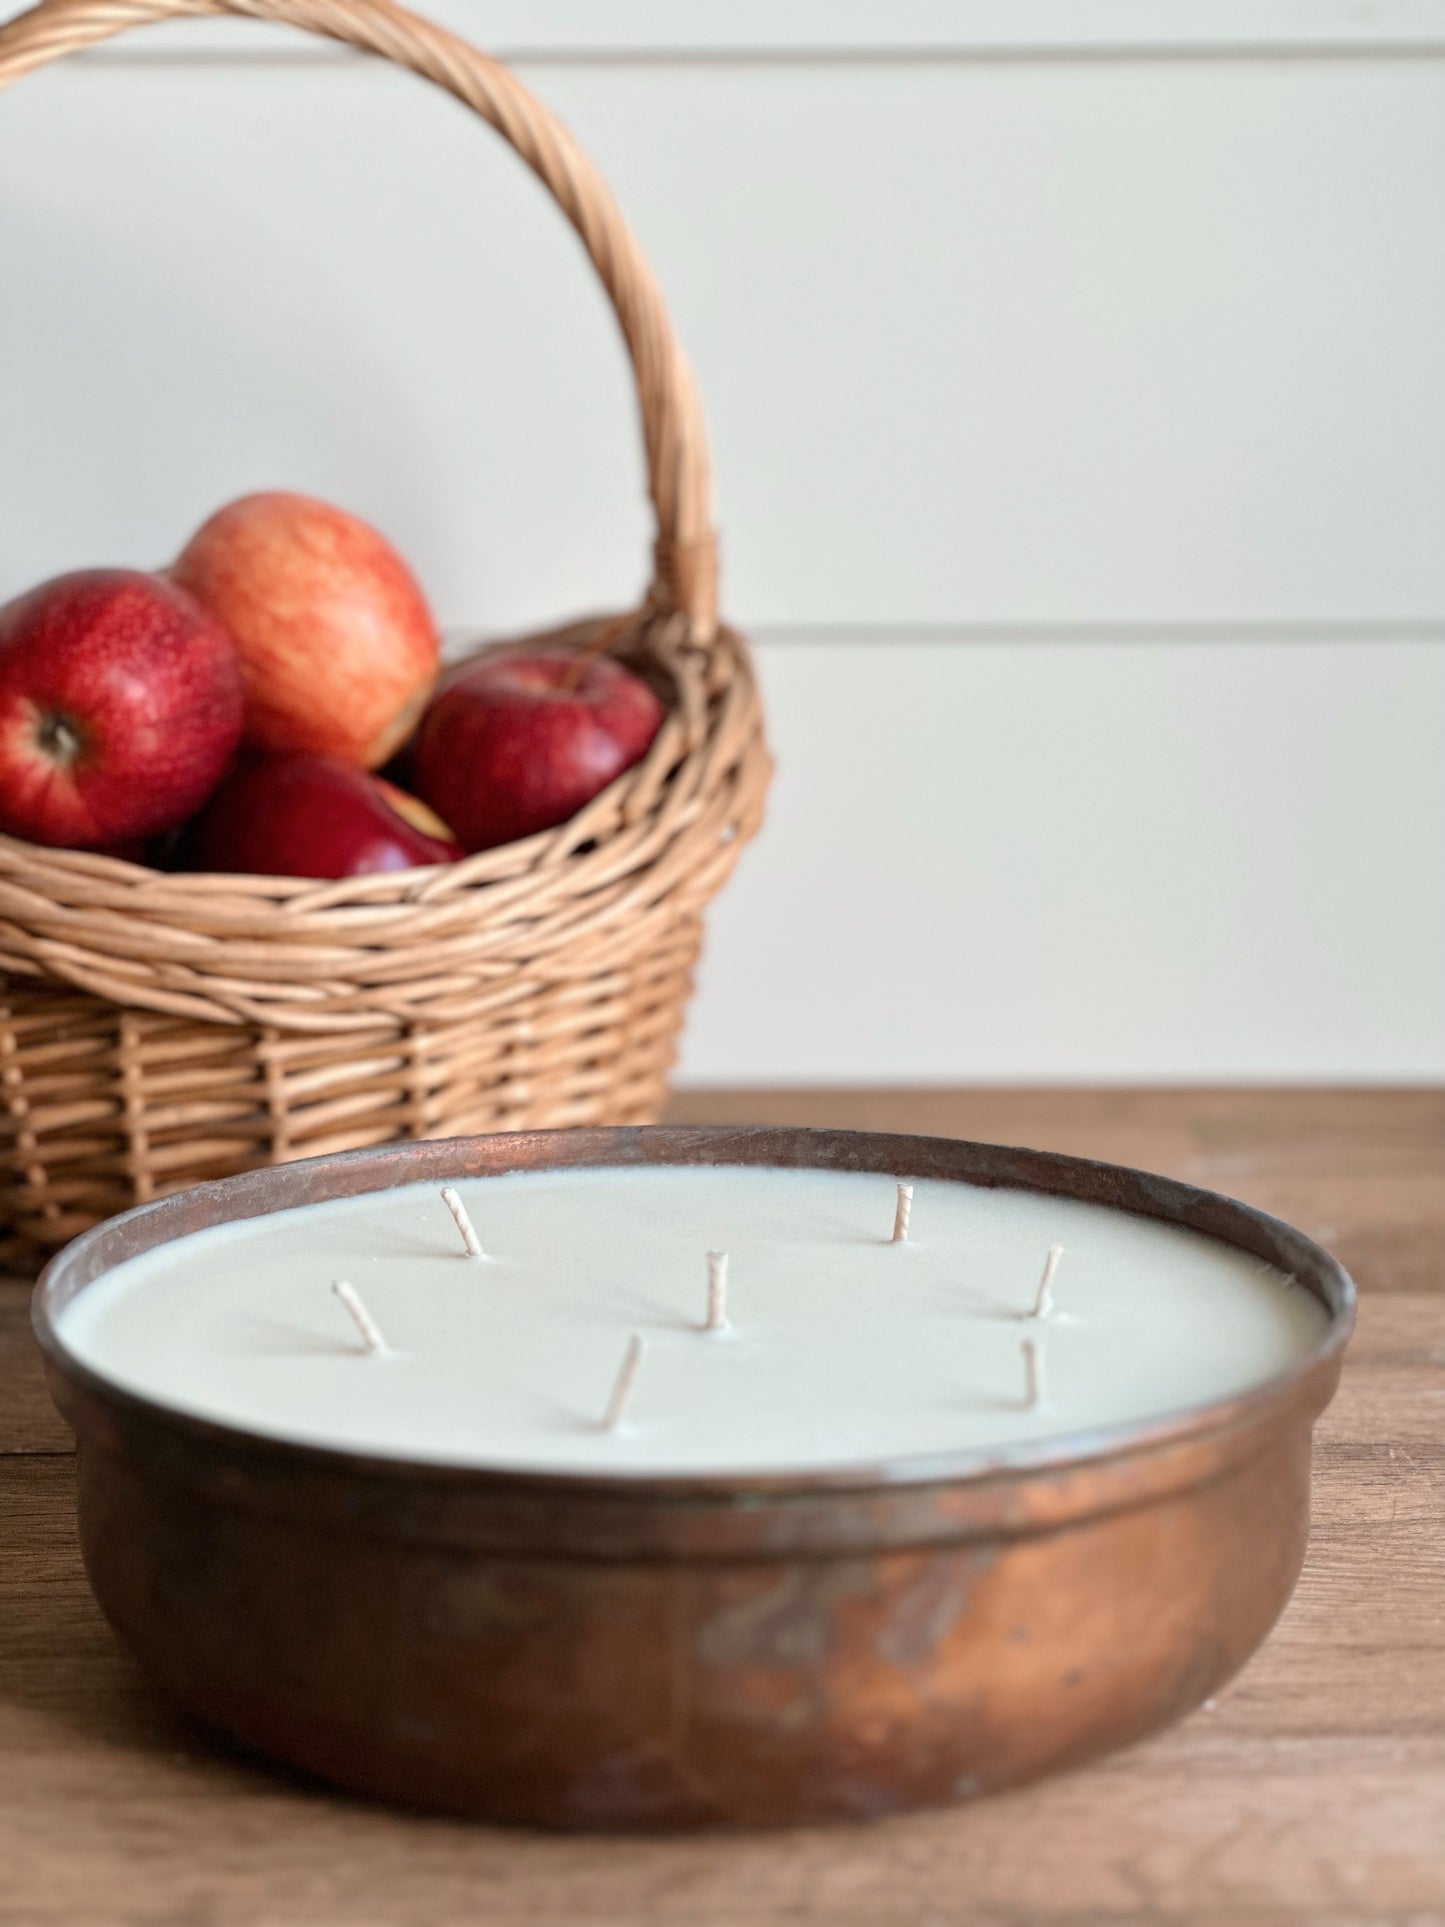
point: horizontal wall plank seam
(1121, 54)
(880, 633)
(1427, 629)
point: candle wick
(902, 1212)
(622, 1385)
(1034, 1394)
(1044, 1296)
(464, 1224)
(361, 1317)
(717, 1292)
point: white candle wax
(842, 1346)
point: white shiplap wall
(1078, 388)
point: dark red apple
(120, 706)
(336, 642)
(522, 740)
(300, 815)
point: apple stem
(602, 641)
(59, 738)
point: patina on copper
(655, 1652)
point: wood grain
(1313, 1790)
(28, 1420)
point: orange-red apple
(336, 642)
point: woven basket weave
(156, 1030)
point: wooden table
(1313, 1790)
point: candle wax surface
(843, 1348)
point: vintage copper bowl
(657, 1652)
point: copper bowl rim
(256, 1193)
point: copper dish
(663, 1652)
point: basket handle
(685, 552)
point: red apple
(336, 642)
(523, 739)
(120, 706)
(300, 815)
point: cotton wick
(1044, 1296)
(361, 1317)
(622, 1385)
(464, 1224)
(717, 1292)
(903, 1211)
(1034, 1394)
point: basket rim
(422, 944)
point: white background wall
(1077, 375)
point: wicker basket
(156, 1030)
